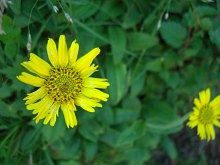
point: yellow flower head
(205, 115)
(63, 84)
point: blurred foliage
(156, 54)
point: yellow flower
(63, 84)
(205, 115)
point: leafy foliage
(156, 54)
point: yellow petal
(62, 51)
(216, 111)
(38, 104)
(43, 110)
(192, 124)
(29, 65)
(69, 115)
(30, 79)
(40, 62)
(201, 131)
(87, 103)
(208, 95)
(35, 96)
(215, 103)
(193, 116)
(202, 97)
(95, 93)
(54, 115)
(92, 82)
(88, 71)
(53, 119)
(84, 106)
(52, 52)
(196, 111)
(65, 110)
(217, 123)
(73, 121)
(37, 65)
(86, 60)
(197, 103)
(73, 52)
(210, 132)
(47, 118)
(51, 116)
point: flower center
(63, 84)
(206, 115)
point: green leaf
(48, 156)
(137, 85)
(214, 33)
(154, 65)
(12, 32)
(69, 162)
(106, 115)
(110, 137)
(5, 91)
(172, 79)
(132, 17)
(131, 103)
(83, 11)
(132, 133)
(5, 140)
(16, 7)
(29, 141)
(123, 115)
(82, 37)
(118, 43)
(90, 130)
(117, 75)
(189, 19)
(150, 140)
(110, 9)
(90, 150)
(162, 118)
(137, 155)
(137, 78)
(130, 110)
(141, 41)
(21, 21)
(6, 110)
(194, 50)
(51, 134)
(173, 33)
(66, 148)
(206, 24)
(205, 11)
(218, 5)
(11, 50)
(170, 148)
(171, 60)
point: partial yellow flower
(63, 84)
(205, 115)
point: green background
(157, 56)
